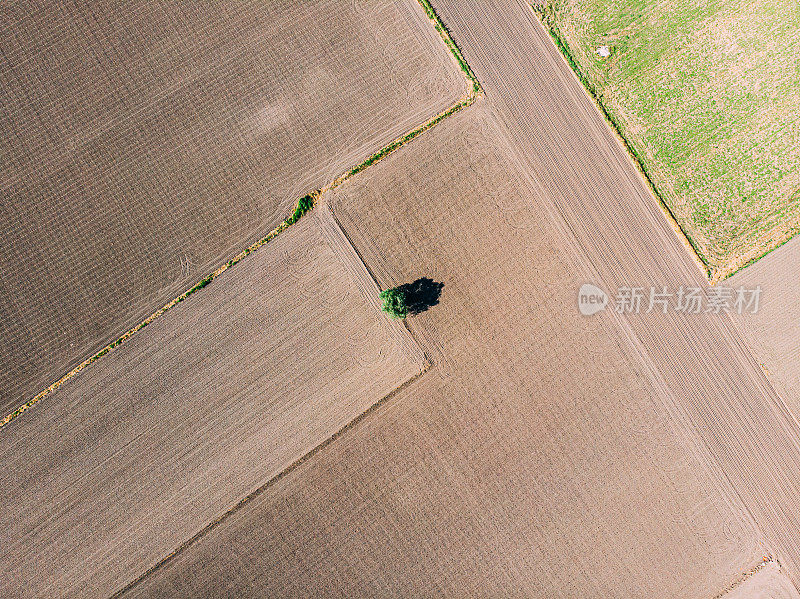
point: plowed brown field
(542, 454)
(535, 459)
(144, 145)
(202, 407)
(773, 333)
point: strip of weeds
(451, 44)
(545, 13)
(401, 141)
(304, 205)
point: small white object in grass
(604, 51)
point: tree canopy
(395, 302)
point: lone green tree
(394, 302)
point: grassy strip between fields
(448, 40)
(304, 205)
(544, 11)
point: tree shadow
(421, 294)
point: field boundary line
(427, 365)
(326, 204)
(543, 13)
(789, 236)
(444, 32)
(304, 204)
(768, 559)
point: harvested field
(708, 96)
(534, 459)
(713, 388)
(145, 146)
(770, 582)
(773, 334)
(208, 403)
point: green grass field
(707, 96)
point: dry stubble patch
(191, 415)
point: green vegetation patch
(395, 302)
(707, 98)
(304, 204)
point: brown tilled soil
(543, 454)
(534, 459)
(137, 454)
(770, 582)
(773, 333)
(143, 146)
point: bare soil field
(713, 387)
(162, 436)
(143, 146)
(707, 95)
(770, 582)
(534, 459)
(544, 454)
(773, 333)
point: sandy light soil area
(139, 453)
(773, 333)
(713, 386)
(770, 582)
(143, 147)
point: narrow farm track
(593, 189)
